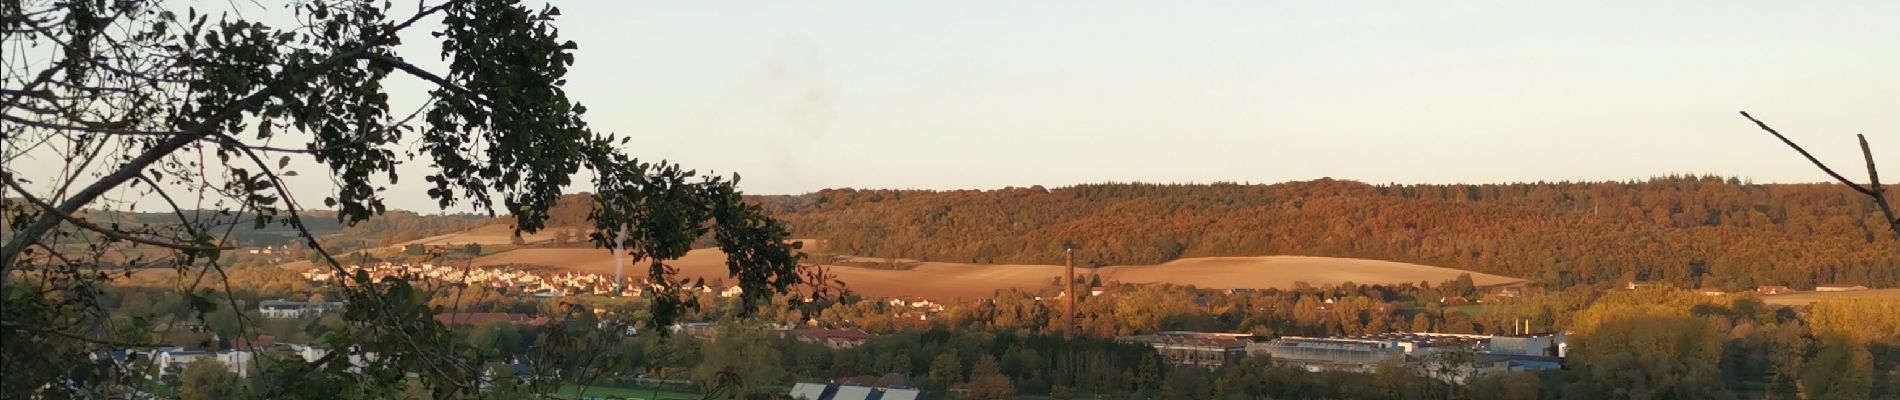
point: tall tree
(945, 370)
(1841, 369)
(205, 112)
(207, 379)
(987, 381)
(741, 360)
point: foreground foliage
(200, 114)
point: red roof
(262, 341)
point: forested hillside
(1688, 231)
(393, 227)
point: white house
(239, 361)
(171, 361)
(1836, 287)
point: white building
(285, 309)
(1836, 287)
(239, 361)
(171, 361)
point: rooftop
(1195, 339)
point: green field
(610, 392)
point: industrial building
(1484, 354)
(821, 391)
(1329, 354)
(1550, 344)
(1199, 349)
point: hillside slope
(1688, 231)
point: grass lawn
(1470, 309)
(610, 392)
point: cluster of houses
(1448, 357)
(503, 279)
(918, 303)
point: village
(503, 279)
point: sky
(800, 96)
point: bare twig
(1873, 189)
(68, 335)
(1873, 182)
(1804, 153)
(108, 232)
(382, 304)
(87, 129)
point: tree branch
(1873, 190)
(64, 334)
(296, 221)
(1804, 153)
(108, 232)
(1879, 192)
(163, 149)
(87, 129)
(418, 72)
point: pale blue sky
(978, 94)
(799, 96)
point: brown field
(1806, 298)
(498, 233)
(947, 281)
(159, 277)
(1284, 271)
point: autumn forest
(1687, 231)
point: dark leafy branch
(143, 89)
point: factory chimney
(1069, 292)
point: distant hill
(948, 281)
(1687, 231)
(393, 226)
